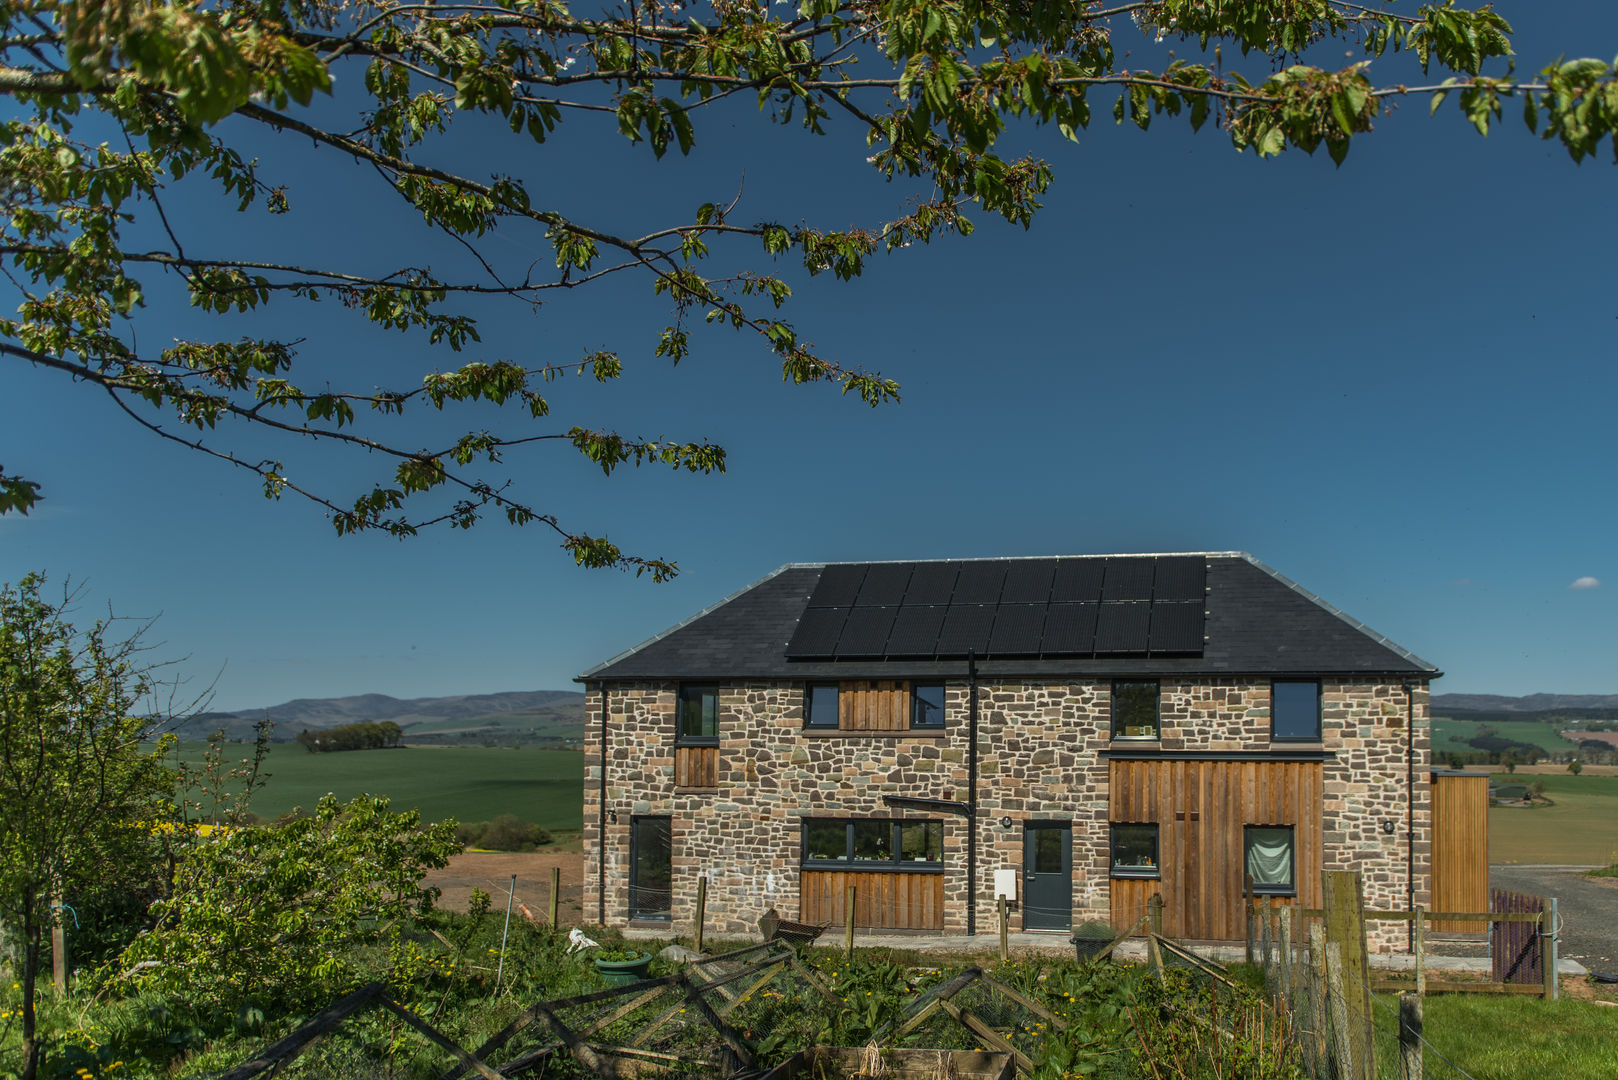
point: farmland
(1452, 735)
(1580, 828)
(468, 783)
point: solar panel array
(1120, 606)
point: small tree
(78, 797)
(1509, 761)
(1574, 767)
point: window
(698, 720)
(1294, 710)
(1134, 709)
(873, 844)
(1269, 859)
(1134, 851)
(820, 705)
(927, 705)
(651, 872)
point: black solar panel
(1122, 628)
(915, 631)
(979, 583)
(1128, 579)
(966, 629)
(884, 585)
(817, 633)
(932, 583)
(1177, 626)
(1017, 630)
(1028, 581)
(1180, 579)
(866, 632)
(838, 585)
(1070, 630)
(1078, 580)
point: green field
(468, 783)
(1450, 736)
(1581, 829)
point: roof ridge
(1030, 558)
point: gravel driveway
(1588, 907)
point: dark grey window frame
(1157, 708)
(1290, 888)
(915, 701)
(635, 914)
(809, 720)
(1319, 710)
(680, 736)
(1152, 872)
(885, 866)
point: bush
(470, 833)
(508, 832)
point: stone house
(1076, 733)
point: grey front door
(1047, 875)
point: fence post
(1410, 1035)
(1317, 992)
(1154, 913)
(1421, 950)
(702, 910)
(1247, 907)
(1343, 1043)
(1004, 953)
(1286, 953)
(848, 941)
(1547, 947)
(59, 957)
(1264, 941)
(556, 894)
(1345, 928)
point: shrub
(470, 833)
(508, 832)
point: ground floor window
(873, 844)
(651, 868)
(1269, 859)
(1134, 851)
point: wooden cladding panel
(696, 766)
(1460, 848)
(882, 705)
(1200, 809)
(881, 901)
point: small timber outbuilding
(1077, 733)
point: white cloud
(1586, 583)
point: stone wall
(1040, 759)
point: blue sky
(1391, 381)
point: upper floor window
(927, 705)
(820, 705)
(1135, 709)
(698, 719)
(1294, 709)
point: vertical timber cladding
(1460, 847)
(882, 705)
(1200, 809)
(881, 901)
(696, 766)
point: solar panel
(979, 583)
(1180, 579)
(1017, 630)
(1122, 628)
(817, 633)
(915, 631)
(932, 583)
(1128, 579)
(1028, 581)
(1078, 581)
(966, 629)
(1070, 630)
(884, 585)
(866, 632)
(1177, 626)
(838, 585)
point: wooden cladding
(1201, 809)
(883, 705)
(696, 766)
(897, 901)
(1460, 848)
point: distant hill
(1530, 703)
(547, 717)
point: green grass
(468, 783)
(1500, 1037)
(1581, 828)
(1450, 736)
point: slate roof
(1257, 622)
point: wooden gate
(1460, 847)
(1515, 949)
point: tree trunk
(32, 935)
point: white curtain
(1269, 856)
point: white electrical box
(1005, 883)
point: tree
(124, 112)
(78, 797)
(1509, 760)
(1574, 767)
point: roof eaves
(683, 623)
(1381, 639)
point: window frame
(1151, 871)
(895, 864)
(1320, 708)
(915, 687)
(1290, 888)
(680, 699)
(809, 721)
(633, 912)
(1157, 709)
